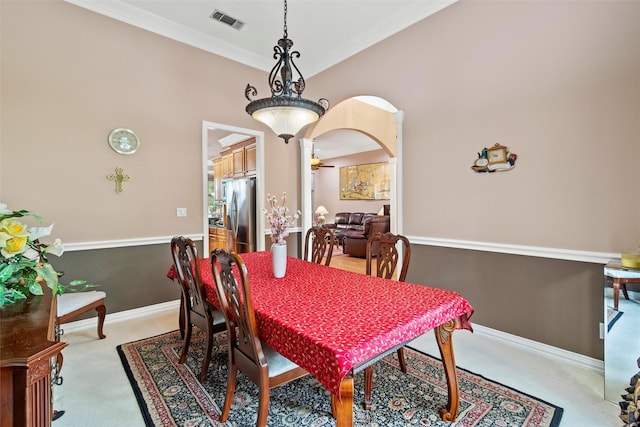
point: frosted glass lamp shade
(319, 215)
(322, 210)
(285, 115)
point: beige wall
(70, 76)
(556, 82)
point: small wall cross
(118, 178)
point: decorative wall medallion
(119, 177)
(496, 158)
(124, 141)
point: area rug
(169, 394)
(337, 251)
(612, 317)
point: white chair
(73, 304)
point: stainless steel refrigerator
(241, 213)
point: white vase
(279, 259)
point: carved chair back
(185, 261)
(321, 241)
(237, 306)
(387, 255)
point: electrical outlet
(181, 211)
(601, 330)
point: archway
(372, 116)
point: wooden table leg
(445, 344)
(343, 410)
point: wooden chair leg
(102, 312)
(403, 363)
(187, 341)
(624, 291)
(263, 405)
(181, 319)
(207, 355)
(231, 387)
(368, 386)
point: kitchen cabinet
(218, 238)
(250, 158)
(227, 164)
(238, 162)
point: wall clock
(497, 154)
(124, 141)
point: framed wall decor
(368, 181)
(496, 158)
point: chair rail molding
(123, 243)
(542, 252)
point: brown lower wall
(555, 302)
(559, 303)
(132, 277)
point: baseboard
(541, 348)
(509, 339)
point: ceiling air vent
(218, 15)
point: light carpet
(169, 394)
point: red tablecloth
(329, 321)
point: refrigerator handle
(234, 215)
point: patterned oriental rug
(612, 317)
(170, 394)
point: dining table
(334, 323)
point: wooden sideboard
(30, 350)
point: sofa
(344, 221)
(355, 241)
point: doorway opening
(212, 134)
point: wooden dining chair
(196, 309)
(257, 361)
(321, 240)
(384, 247)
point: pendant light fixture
(286, 111)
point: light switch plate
(181, 211)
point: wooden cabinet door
(227, 166)
(238, 161)
(250, 159)
(217, 238)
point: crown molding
(134, 16)
(377, 32)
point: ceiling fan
(316, 163)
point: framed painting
(368, 181)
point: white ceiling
(325, 32)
